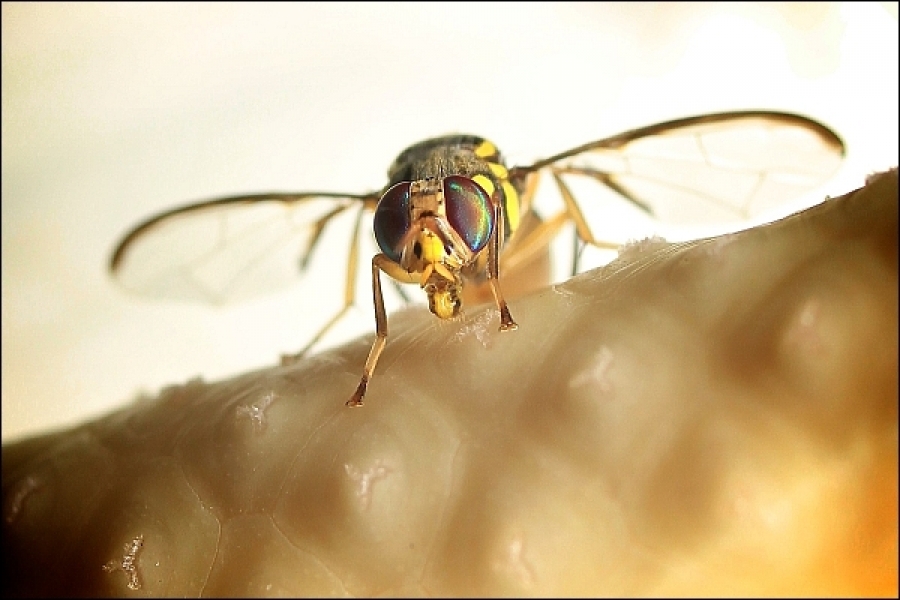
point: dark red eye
(469, 211)
(391, 220)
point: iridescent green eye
(469, 211)
(391, 221)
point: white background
(112, 112)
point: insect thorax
(439, 157)
(467, 155)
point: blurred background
(112, 112)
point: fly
(451, 206)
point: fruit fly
(451, 206)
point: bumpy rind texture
(714, 417)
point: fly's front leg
(506, 320)
(381, 330)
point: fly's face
(430, 230)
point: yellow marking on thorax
(512, 205)
(486, 150)
(485, 183)
(498, 170)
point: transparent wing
(230, 249)
(715, 168)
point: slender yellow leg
(381, 331)
(581, 226)
(526, 245)
(318, 229)
(349, 295)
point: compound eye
(470, 211)
(391, 221)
